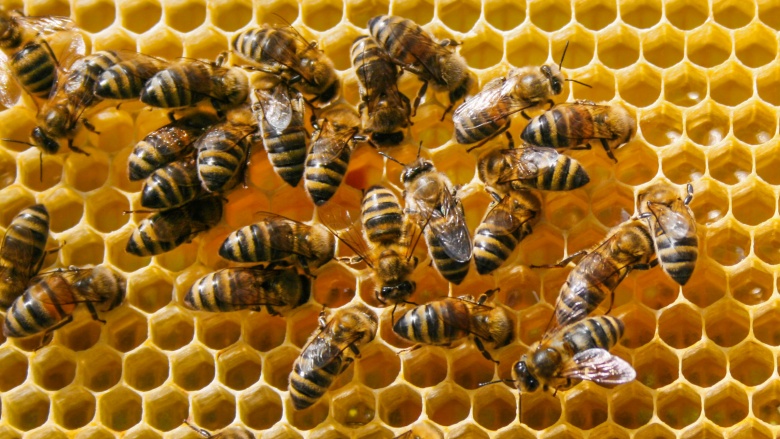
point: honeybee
(332, 143)
(414, 50)
(505, 170)
(280, 113)
(223, 150)
(73, 93)
(172, 186)
(227, 433)
(166, 230)
(127, 79)
(674, 230)
(506, 224)
(384, 110)
(22, 252)
(629, 246)
(390, 256)
(187, 82)
(49, 302)
(579, 351)
(579, 124)
(430, 199)
(409, 46)
(283, 51)
(443, 322)
(278, 239)
(330, 351)
(421, 431)
(167, 144)
(254, 288)
(488, 113)
(30, 61)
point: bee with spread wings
(31, 51)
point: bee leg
(689, 197)
(563, 262)
(271, 310)
(447, 110)
(88, 125)
(321, 320)
(347, 362)
(486, 295)
(75, 148)
(171, 117)
(93, 313)
(485, 353)
(510, 140)
(450, 43)
(354, 350)
(608, 150)
(409, 349)
(200, 431)
(49, 334)
(419, 97)
(305, 266)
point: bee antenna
(390, 158)
(200, 431)
(560, 64)
(419, 149)
(578, 82)
(18, 141)
(495, 382)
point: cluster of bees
(189, 164)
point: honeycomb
(703, 79)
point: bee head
(397, 293)
(415, 169)
(44, 141)
(554, 75)
(523, 378)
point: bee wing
(676, 221)
(349, 233)
(323, 348)
(452, 232)
(285, 245)
(46, 24)
(285, 53)
(590, 130)
(503, 218)
(432, 67)
(276, 106)
(496, 94)
(527, 162)
(328, 148)
(599, 366)
(10, 91)
(245, 295)
(67, 47)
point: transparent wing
(599, 366)
(45, 24)
(502, 216)
(589, 130)
(424, 43)
(331, 145)
(283, 240)
(246, 293)
(348, 231)
(676, 221)
(527, 162)
(283, 50)
(67, 47)
(492, 103)
(449, 226)
(10, 91)
(277, 107)
(324, 348)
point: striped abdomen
(437, 323)
(564, 175)
(172, 186)
(178, 86)
(402, 39)
(286, 151)
(126, 79)
(382, 215)
(451, 269)
(268, 46)
(44, 304)
(372, 68)
(267, 241)
(595, 332)
(308, 386)
(493, 245)
(24, 243)
(594, 277)
(323, 174)
(555, 128)
(222, 154)
(471, 128)
(35, 69)
(677, 257)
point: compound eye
(556, 86)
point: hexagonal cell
(764, 324)
(751, 363)
(751, 284)
(727, 323)
(86, 173)
(730, 84)
(619, 47)
(337, 45)
(755, 46)
(425, 367)
(707, 285)
(73, 407)
(120, 408)
(32, 176)
(15, 199)
(105, 210)
(711, 202)
(100, 368)
(184, 16)
(469, 368)
(728, 245)
(585, 409)
(707, 125)
(83, 248)
(640, 325)
(655, 431)
(765, 403)
(543, 246)
(640, 85)
(230, 16)
(14, 366)
(678, 406)
(686, 85)
(484, 50)
(359, 12)
(601, 81)
(683, 163)
(378, 366)
(704, 365)
(93, 17)
(304, 325)
(631, 405)
(151, 291)
(65, 209)
(642, 15)
(277, 366)
(94, 432)
(193, 368)
(53, 368)
(263, 331)
(172, 329)
(142, 432)
(751, 430)
(334, 286)
(680, 326)
(661, 125)
(7, 170)
(280, 10)
(260, 409)
(709, 46)
(494, 407)
(126, 330)
(467, 431)
(755, 124)
(767, 84)
(205, 43)
(218, 331)
(25, 407)
(146, 369)
(550, 15)
(656, 366)
(163, 44)
(612, 204)
(214, 408)
(238, 367)
(321, 16)
(505, 15)
(459, 16)
(595, 15)
(308, 418)
(447, 404)
(140, 17)
(732, 14)
(539, 410)
(726, 406)
(117, 255)
(354, 407)
(179, 258)
(165, 408)
(520, 288)
(687, 15)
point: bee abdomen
(247, 244)
(469, 131)
(212, 293)
(449, 268)
(171, 186)
(30, 315)
(678, 259)
(25, 240)
(287, 154)
(308, 386)
(322, 179)
(566, 175)
(143, 242)
(34, 67)
(382, 215)
(492, 249)
(219, 165)
(595, 332)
